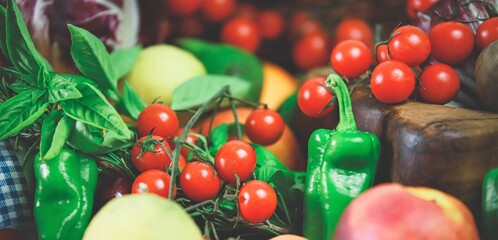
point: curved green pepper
(65, 187)
(341, 165)
(489, 211)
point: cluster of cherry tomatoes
(202, 179)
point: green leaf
(92, 140)
(60, 88)
(3, 17)
(94, 110)
(265, 157)
(123, 60)
(17, 81)
(22, 52)
(219, 136)
(288, 110)
(227, 60)
(21, 111)
(131, 102)
(92, 59)
(56, 129)
(198, 90)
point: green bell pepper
(489, 210)
(341, 165)
(64, 194)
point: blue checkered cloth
(14, 207)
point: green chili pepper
(65, 187)
(341, 165)
(489, 211)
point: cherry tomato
(487, 32)
(182, 7)
(451, 42)
(217, 10)
(199, 181)
(410, 45)
(235, 157)
(392, 81)
(153, 181)
(351, 58)
(306, 27)
(257, 201)
(159, 117)
(241, 32)
(245, 10)
(420, 5)
(382, 53)
(314, 98)
(439, 83)
(191, 27)
(355, 29)
(264, 126)
(192, 139)
(311, 51)
(147, 153)
(270, 23)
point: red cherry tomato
(264, 126)
(217, 10)
(410, 45)
(182, 7)
(235, 157)
(392, 81)
(382, 53)
(355, 29)
(191, 27)
(311, 51)
(313, 98)
(147, 153)
(241, 32)
(257, 201)
(270, 23)
(159, 117)
(306, 27)
(439, 83)
(351, 58)
(199, 181)
(153, 181)
(192, 139)
(420, 5)
(451, 42)
(487, 32)
(245, 10)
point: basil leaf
(227, 60)
(265, 157)
(92, 59)
(131, 102)
(93, 109)
(17, 81)
(21, 50)
(219, 136)
(56, 129)
(20, 111)
(92, 140)
(3, 17)
(76, 79)
(198, 90)
(61, 89)
(123, 60)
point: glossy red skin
(111, 186)
(451, 42)
(199, 182)
(158, 159)
(410, 45)
(487, 32)
(159, 117)
(155, 181)
(392, 82)
(190, 139)
(351, 58)
(382, 53)
(270, 23)
(257, 201)
(312, 97)
(217, 10)
(356, 29)
(243, 33)
(264, 126)
(182, 7)
(420, 5)
(439, 83)
(235, 157)
(311, 51)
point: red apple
(393, 211)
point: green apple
(160, 69)
(142, 216)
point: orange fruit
(278, 85)
(286, 149)
(288, 237)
